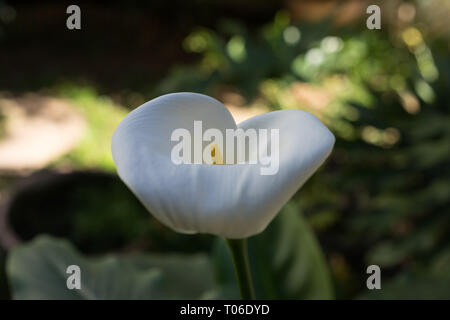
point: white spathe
(233, 201)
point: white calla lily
(233, 201)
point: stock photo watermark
(374, 20)
(74, 280)
(374, 280)
(73, 21)
(234, 150)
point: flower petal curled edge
(233, 201)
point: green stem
(238, 249)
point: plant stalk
(239, 253)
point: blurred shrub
(384, 197)
(286, 261)
(102, 117)
(111, 277)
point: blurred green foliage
(102, 117)
(285, 260)
(384, 196)
(135, 277)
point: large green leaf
(286, 262)
(38, 271)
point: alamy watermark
(374, 280)
(73, 21)
(374, 20)
(74, 280)
(233, 150)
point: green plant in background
(102, 117)
(286, 261)
(385, 96)
(110, 277)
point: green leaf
(286, 262)
(38, 271)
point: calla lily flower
(233, 201)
